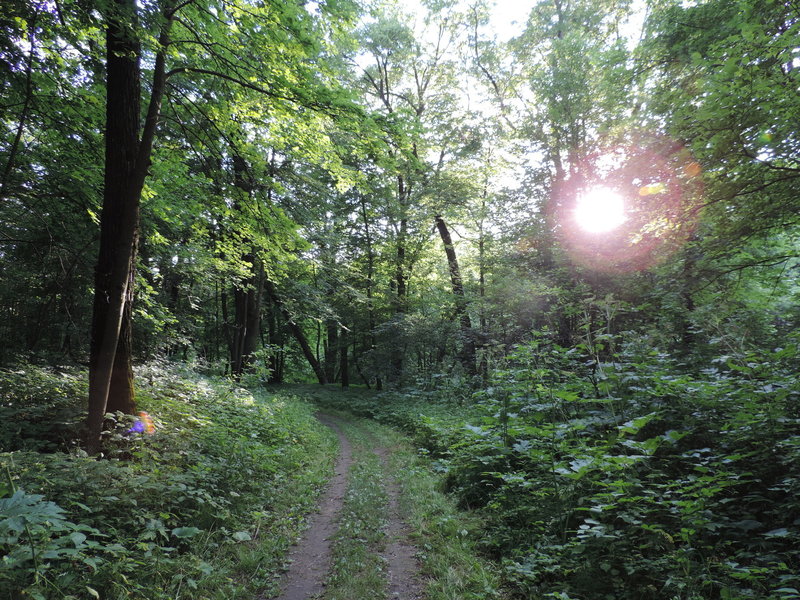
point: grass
(203, 509)
(447, 537)
(208, 506)
(358, 570)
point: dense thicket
(370, 197)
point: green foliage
(175, 514)
(626, 479)
(40, 409)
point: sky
(509, 17)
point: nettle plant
(633, 479)
(39, 543)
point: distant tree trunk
(127, 159)
(297, 332)
(687, 281)
(275, 340)
(331, 350)
(344, 366)
(483, 365)
(247, 319)
(358, 368)
(400, 280)
(467, 354)
(370, 284)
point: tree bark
(370, 285)
(400, 282)
(120, 214)
(467, 354)
(344, 366)
(127, 159)
(297, 332)
(247, 315)
(275, 340)
(331, 349)
(121, 394)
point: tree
(129, 143)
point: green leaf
(241, 536)
(777, 533)
(185, 532)
(77, 538)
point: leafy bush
(162, 516)
(628, 479)
(41, 409)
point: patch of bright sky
(508, 17)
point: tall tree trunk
(297, 332)
(483, 360)
(400, 280)
(275, 341)
(358, 367)
(121, 395)
(344, 366)
(370, 284)
(247, 324)
(467, 354)
(120, 215)
(331, 349)
(127, 158)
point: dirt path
(311, 558)
(400, 555)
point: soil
(399, 554)
(311, 557)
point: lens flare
(144, 424)
(600, 210)
(651, 189)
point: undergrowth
(203, 508)
(631, 478)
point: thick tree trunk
(297, 332)
(120, 215)
(127, 159)
(467, 354)
(121, 396)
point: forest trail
(312, 562)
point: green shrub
(629, 479)
(163, 515)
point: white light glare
(600, 210)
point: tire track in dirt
(311, 557)
(400, 554)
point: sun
(600, 210)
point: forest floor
(359, 538)
(209, 505)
